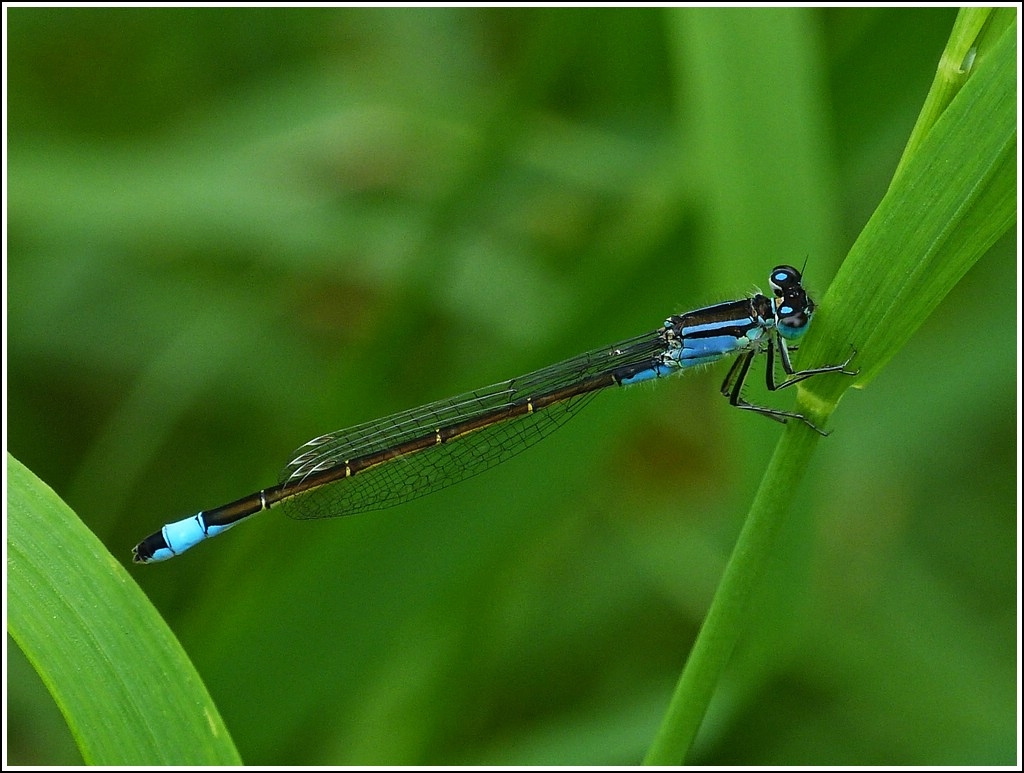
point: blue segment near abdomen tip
(182, 535)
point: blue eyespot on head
(793, 308)
(783, 279)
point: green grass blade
(126, 688)
(953, 71)
(953, 197)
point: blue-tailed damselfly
(407, 455)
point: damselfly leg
(732, 386)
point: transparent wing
(439, 465)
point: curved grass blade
(127, 690)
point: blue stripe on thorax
(718, 331)
(705, 336)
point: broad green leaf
(125, 686)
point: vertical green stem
(729, 608)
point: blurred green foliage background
(231, 230)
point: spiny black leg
(737, 373)
(796, 376)
(732, 387)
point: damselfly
(407, 455)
